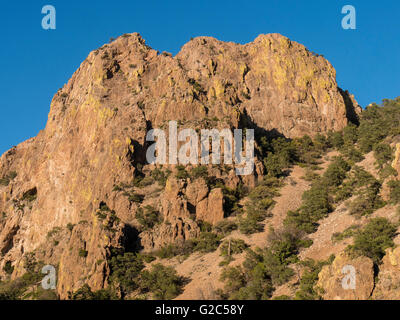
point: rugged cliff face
(67, 195)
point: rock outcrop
(211, 209)
(347, 278)
(65, 178)
(389, 276)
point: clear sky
(34, 62)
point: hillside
(324, 192)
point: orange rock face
(94, 140)
(338, 282)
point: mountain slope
(71, 196)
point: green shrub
(232, 246)
(263, 269)
(5, 181)
(8, 268)
(30, 195)
(234, 279)
(206, 242)
(315, 206)
(357, 181)
(12, 175)
(286, 243)
(259, 205)
(335, 139)
(352, 153)
(250, 225)
(278, 271)
(347, 233)
(394, 186)
(204, 226)
(307, 289)
(361, 178)
(163, 282)
(26, 286)
(136, 198)
(350, 134)
(225, 227)
(146, 181)
(336, 172)
(148, 258)
(125, 271)
(83, 253)
(86, 293)
(178, 249)
(383, 154)
(199, 172)
(321, 142)
(12, 290)
(53, 232)
(368, 200)
(160, 176)
(279, 154)
(232, 198)
(305, 150)
(378, 122)
(387, 171)
(374, 239)
(254, 281)
(148, 217)
(310, 175)
(181, 172)
(103, 207)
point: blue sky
(34, 62)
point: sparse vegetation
(232, 246)
(207, 241)
(199, 172)
(374, 239)
(135, 197)
(349, 232)
(125, 271)
(394, 186)
(5, 180)
(163, 282)
(225, 227)
(258, 206)
(83, 253)
(53, 232)
(160, 176)
(148, 217)
(28, 285)
(86, 293)
(30, 195)
(383, 154)
(181, 172)
(8, 267)
(70, 226)
(307, 289)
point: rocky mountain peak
(83, 169)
